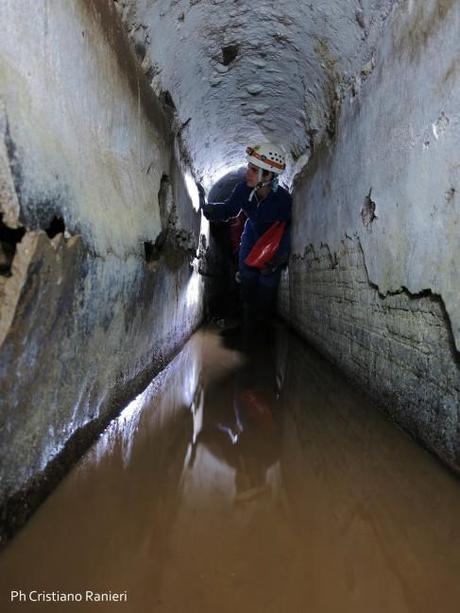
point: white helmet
(268, 157)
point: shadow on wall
(9, 238)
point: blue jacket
(276, 207)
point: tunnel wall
(374, 279)
(98, 281)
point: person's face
(252, 175)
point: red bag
(266, 247)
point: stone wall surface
(107, 109)
(98, 285)
(374, 279)
(399, 348)
(247, 72)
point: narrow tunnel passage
(116, 118)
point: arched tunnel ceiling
(240, 71)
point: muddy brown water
(253, 481)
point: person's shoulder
(283, 195)
(240, 192)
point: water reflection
(248, 477)
(107, 525)
(241, 422)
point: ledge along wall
(98, 281)
(374, 278)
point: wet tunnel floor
(255, 481)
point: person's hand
(273, 265)
(267, 269)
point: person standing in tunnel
(264, 202)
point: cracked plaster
(84, 321)
(402, 144)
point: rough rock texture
(374, 282)
(98, 238)
(239, 72)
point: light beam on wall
(192, 191)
